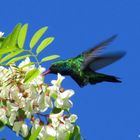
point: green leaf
(29, 64)
(49, 58)
(56, 110)
(31, 75)
(11, 39)
(6, 42)
(17, 59)
(35, 134)
(76, 130)
(54, 95)
(7, 50)
(1, 125)
(14, 35)
(21, 113)
(37, 36)
(44, 44)
(28, 136)
(78, 137)
(75, 134)
(22, 35)
(50, 138)
(1, 41)
(68, 136)
(12, 54)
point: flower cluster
(20, 101)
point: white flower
(1, 34)
(47, 132)
(37, 80)
(15, 94)
(41, 69)
(29, 109)
(53, 89)
(57, 115)
(20, 126)
(73, 118)
(3, 117)
(35, 125)
(44, 102)
(56, 84)
(32, 99)
(12, 107)
(17, 126)
(25, 62)
(24, 130)
(56, 118)
(50, 131)
(64, 104)
(12, 117)
(3, 71)
(63, 99)
(4, 92)
(59, 80)
(63, 130)
(67, 94)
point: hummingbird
(83, 67)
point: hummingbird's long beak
(47, 72)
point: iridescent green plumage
(82, 68)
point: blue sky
(106, 111)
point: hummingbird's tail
(104, 78)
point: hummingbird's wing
(91, 54)
(105, 60)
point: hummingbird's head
(56, 67)
(53, 68)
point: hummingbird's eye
(53, 67)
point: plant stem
(35, 56)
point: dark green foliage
(56, 110)
(2, 125)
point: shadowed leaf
(6, 42)
(14, 35)
(1, 125)
(78, 137)
(56, 110)
(11, 39)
